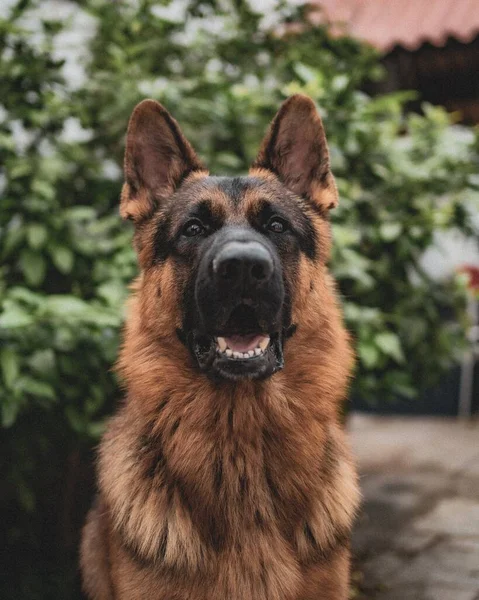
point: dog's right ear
(158, 157)
(296, 151)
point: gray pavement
(417, 536)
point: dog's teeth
(251, 353)
(263, 344)
(237, 354)
(258, 351)
(222, 344)
(229, 352)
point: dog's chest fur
(225, 487)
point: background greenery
(222, 69)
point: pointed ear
(295, 149)
(157, 159)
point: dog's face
(221, 256)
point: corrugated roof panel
(406, 23)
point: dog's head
(226, 260)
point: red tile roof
(406, 23)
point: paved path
(417, 537)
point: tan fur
(225, 491)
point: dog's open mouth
(243, 347)
(242, 338)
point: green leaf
(9, 362)
(43, 361)
(43, 188)
(76, 419)
(20, 170)
(14, 317)
(14, 236)
(65, 306)
(390, 345)
(63, 258)
(390, 231)
(368, 354)
(35, 387)
(96, 429)
(36, 235)
(33, 266)
(306, 73)
(112, 292)
(10, 410)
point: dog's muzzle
(239, 297)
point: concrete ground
(417, 537)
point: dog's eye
(193, 228)
(277, 225)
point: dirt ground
(417, 537)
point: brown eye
(277, 225)
(193, 228)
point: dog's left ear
(158, 158)
(296, 151)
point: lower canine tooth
(229, 352)
(263, 344)
(257, 351)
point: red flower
(473, 272)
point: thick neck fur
(215, 467)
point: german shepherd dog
(225, 474)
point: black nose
(247, 265)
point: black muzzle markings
(238, 297)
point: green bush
(66, 258)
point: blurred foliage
(222, 69)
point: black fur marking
(258, 519)
(182, 490)
(204, 211)
(230, 419)
(270, 149)
(216, 537)
(218, 474)
(162, 242)
(189, 311)
(134, 553)
(243, 481)
(161, 406)
(323, 554)
(290, 331)
(307, 240)
(234, 188)
(272, 487)
(163, 543)
(150, 447)
(131, 549)
(310, 537)
(319, 209)
(175, 426)
(182, 336)
(264, 575)
(288, 328)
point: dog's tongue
(243, 343)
